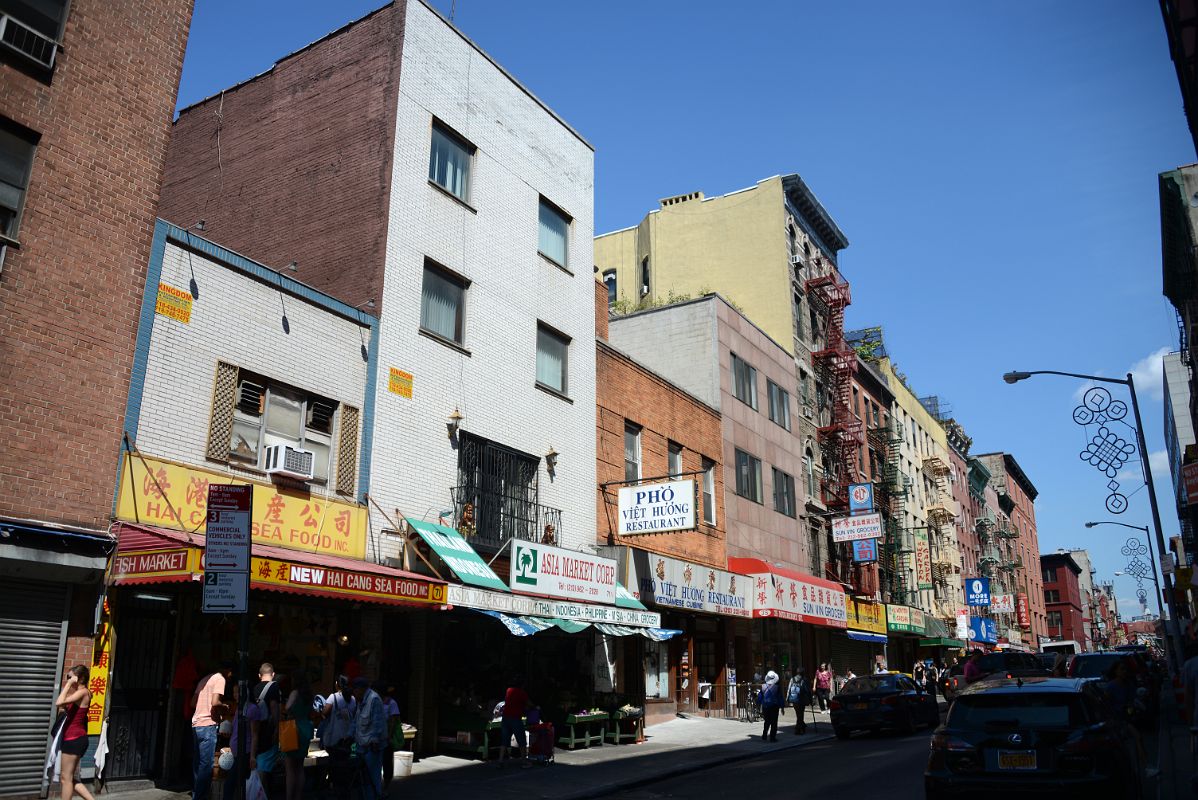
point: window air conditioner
(18, 36)
(796, 259)
(283, 459)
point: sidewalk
(679, 747)
(1176, 762)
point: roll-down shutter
(849, 654)
(32, 637)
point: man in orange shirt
(210, 708)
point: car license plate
(860, 706)
(1016, 759)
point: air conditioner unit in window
(796, 259)
(35, 46)
(283, 459)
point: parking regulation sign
(977, 591)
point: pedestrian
(370, 733)
(394, 726)
(1060, 666)
(210, 708)
(823, 685)
(336, 731)
(771, 703)
(74, 700)
(1189, 683)
(515, 703)
(298, 709)
(917, 673)
(930, 678)
(973, 668)
(798, 695)
(880, 669)
(264, 748)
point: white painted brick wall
(237, 319)
(523, 152)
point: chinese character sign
(1023, 611)
(923, 559)
(98, 682)
(977, 591)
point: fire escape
(891, 500)
(941, 512)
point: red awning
(784, 593)
(754, 566)
(146, 554)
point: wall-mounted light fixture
(453, 422)
(551, 460)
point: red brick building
(87, 90)
(1062, 597)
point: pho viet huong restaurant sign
(557, 572)
(169, 495)
(665, 581)
(657, 508)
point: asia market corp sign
(665, 581)
(657, 508)
(472, 597)
(556, 572)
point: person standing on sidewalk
(74, 700)
(823, 685)
(771, 703)
(515, 703)
(798, 694)
(210, 708)
(370, 733)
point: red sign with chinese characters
(1189, 474)
(1023, 611)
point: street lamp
(1173, 624)
(1151, 557)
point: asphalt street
(866, 766)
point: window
(814, 548)
(797, 312)
(709, 491)
(449, 161)
(804, 390)
(813, 325)
(16, 160)
(632, 452)
(645, 276)
(1052, 595)
(748, 476)
(809, 471)
(609, 278)
(267, 413)
(674, 465)
(441, 304)
(554, 234)
(1050, 574)
(1053, 619)
(779, 400)
(744, 381)
(657, 670)
(44, 16)
(856, 403)
(861, 460)
(784, 493)
(553, 359)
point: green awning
(457, 554)
(934, 627)
(624, 599)
(941, 641)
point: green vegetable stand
(584, 730)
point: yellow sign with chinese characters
(173, 303)
(283, 518)
(865, 616)
(98, 680)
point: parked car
(1092, 666)
(1052, 736)
(1008, 665)
(1096, 666)
(888, 700)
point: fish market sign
(657, 508)
(470, 597)
(556, 572)
(669, 582)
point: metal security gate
(851, 654)
(140, 687)
(500, 484)
(33, 633)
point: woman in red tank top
(74, 700)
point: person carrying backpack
(799, 697)
(264, 747)
(771, 703)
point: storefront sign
(862, 526)
(905, 619)
(1189, 474)
(977, 591)
(457, 553)
(1023, 611)
(173, 303)
(656, 508)
(962, 623)
(983, 629)
(665, 581)
(865, 551)
(1002, 603)
(170, 495)
(273, 573)
(557, 572)
(400, 383)
(862, 615)
(97, 681)
(470, 597)
(923, 559)
(861, 497)
(152, 564)
(793, 598)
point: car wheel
(841, 733)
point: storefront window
(657, 670)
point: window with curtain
(441, 304)
(449, 161)
(554, 233)
(748, 476)
(809, 471)
(675, 459)
(784, 493)
(553, 351)
(709, 491)
(609, 279)
(632, 452)
(779, 401)
(744, 381)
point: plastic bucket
(403, 764)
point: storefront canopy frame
(452, 548)
(860, 636)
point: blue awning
(876, 638)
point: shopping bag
(253, 787)
(288, 736)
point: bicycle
(752, 704)
(347, 778)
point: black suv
(1056, 736)
(995, 665)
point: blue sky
(993, 166)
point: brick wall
(70, 294)
(295, 164)
(80, 627)
(600, 310)
(628, 391)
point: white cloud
(1148, 374)
(1159, 461)
(1081, 390)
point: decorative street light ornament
(1134, 548)
(1106, 451)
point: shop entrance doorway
(140, 685)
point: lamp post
(1151, 557)
(1173, 623)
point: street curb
(676, 772)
